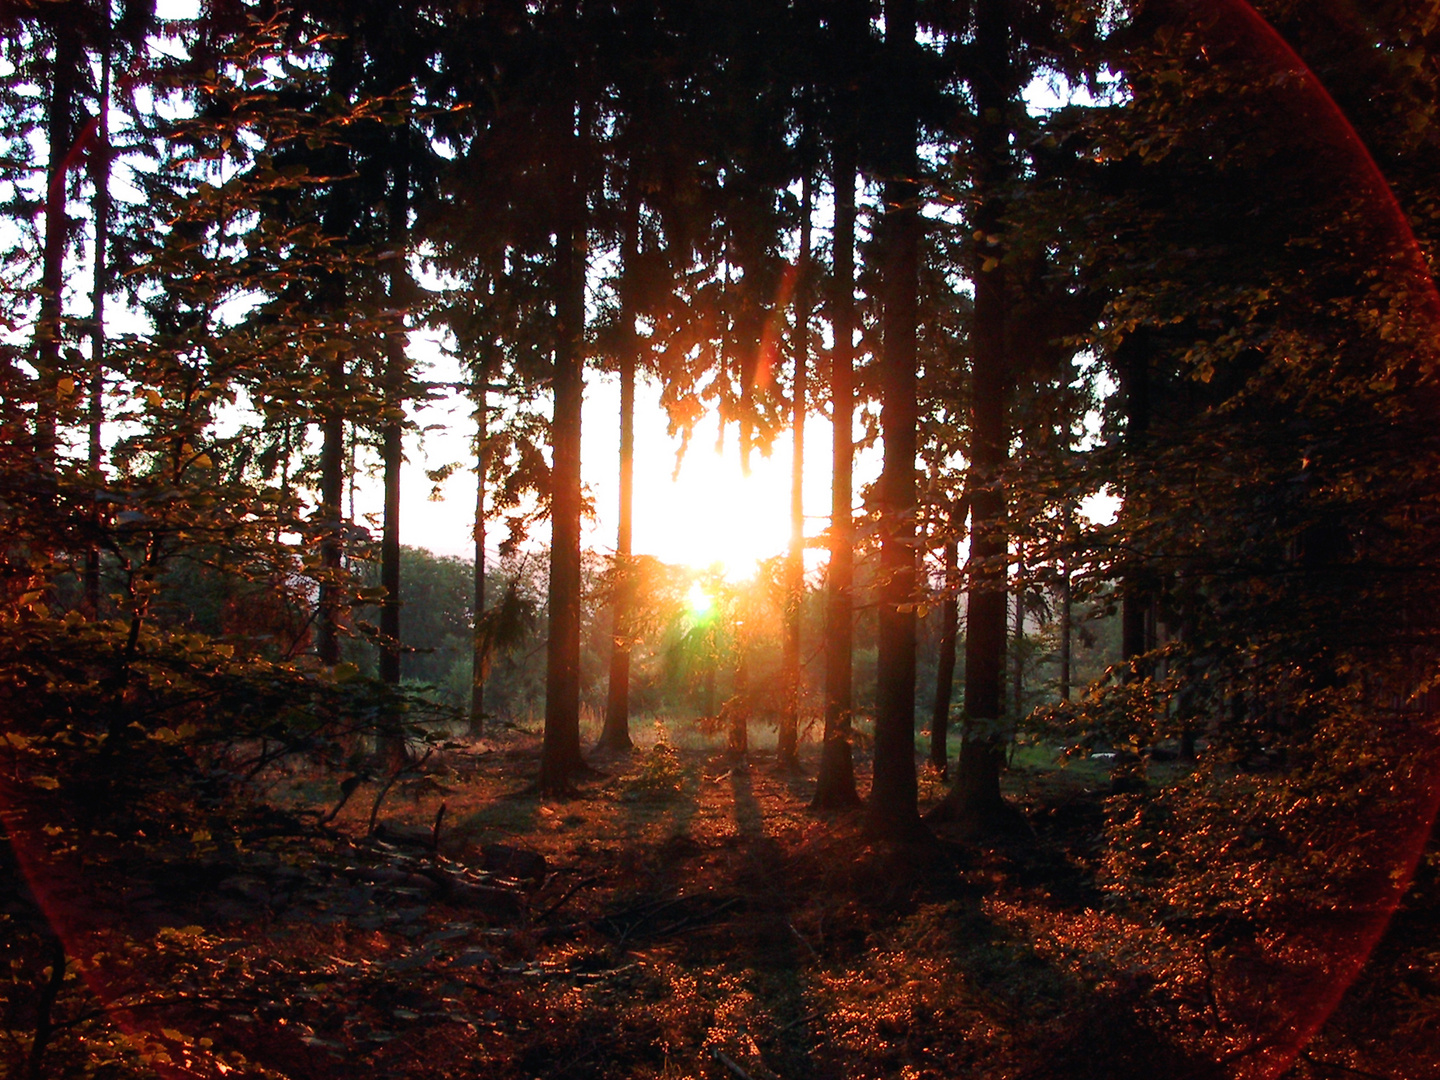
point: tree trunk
(1067, 631)
(1017, 664)
(100, 171)
(788, 746)
(737, 741)
(479, 652)
(892, 808)
(835, 784)
(339, 222)
(615, 736)
(945, 663)
(975, 797)
(392, 445)
(60, 132)
(332, 490)
(560, 754)
(1136, 595)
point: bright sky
(708, 513)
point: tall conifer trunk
(945, 663)
(1136, 595)
(60, 132)
(479, 653)
(100, 171)
(891, 810)
(615, 736)
(788, 747)
(392, 444)
(975, 796)
(339, 222)
(835, 784)
(332, 491)
(560, 757)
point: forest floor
(685, 915)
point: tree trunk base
(988, 819)
(835, 786)
(898, 828)
(614, 745)
(789, 765)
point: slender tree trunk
(945, 664)
(1135, 599)
(975, 796)
(338, 224)
(560, 754)
(1017, 664)
(892, 808)
(737, 741)
(788, 747)
(60, 131)
(332, 491)
(615, 736)
(1067, 631)
(480, 643)
(392, 436)
(835, 784)
(100, 170)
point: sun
(710, 513)
(699, 602)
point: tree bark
(788, 746)
(339, 222)
(892, 807)
(561, 758)
(615, 736)
(975, 797)
(1136, 622)
(835, 784)
(1067, 631)
(479, 652)
(60, 132)
(392, 444)
(945, 663)
(100, 171)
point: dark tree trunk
(339, 223)
(479, 651)
(392, 445)
(1017, 662)
(615, 736)
(1136, 623)
(788, 746)
(1067, 632)
(737, 739)
(560, 754)
(945, 663)
(975, 796)
(332, 491)
(60, 131)
(892, 810)
(100, 171)
(835, 784)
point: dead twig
(803, 941)
(558, 904)
(385, 788)
(730, 1063)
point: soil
(685, 915)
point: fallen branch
(558, 904)
(730, 1063)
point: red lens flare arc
(1238, 24)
